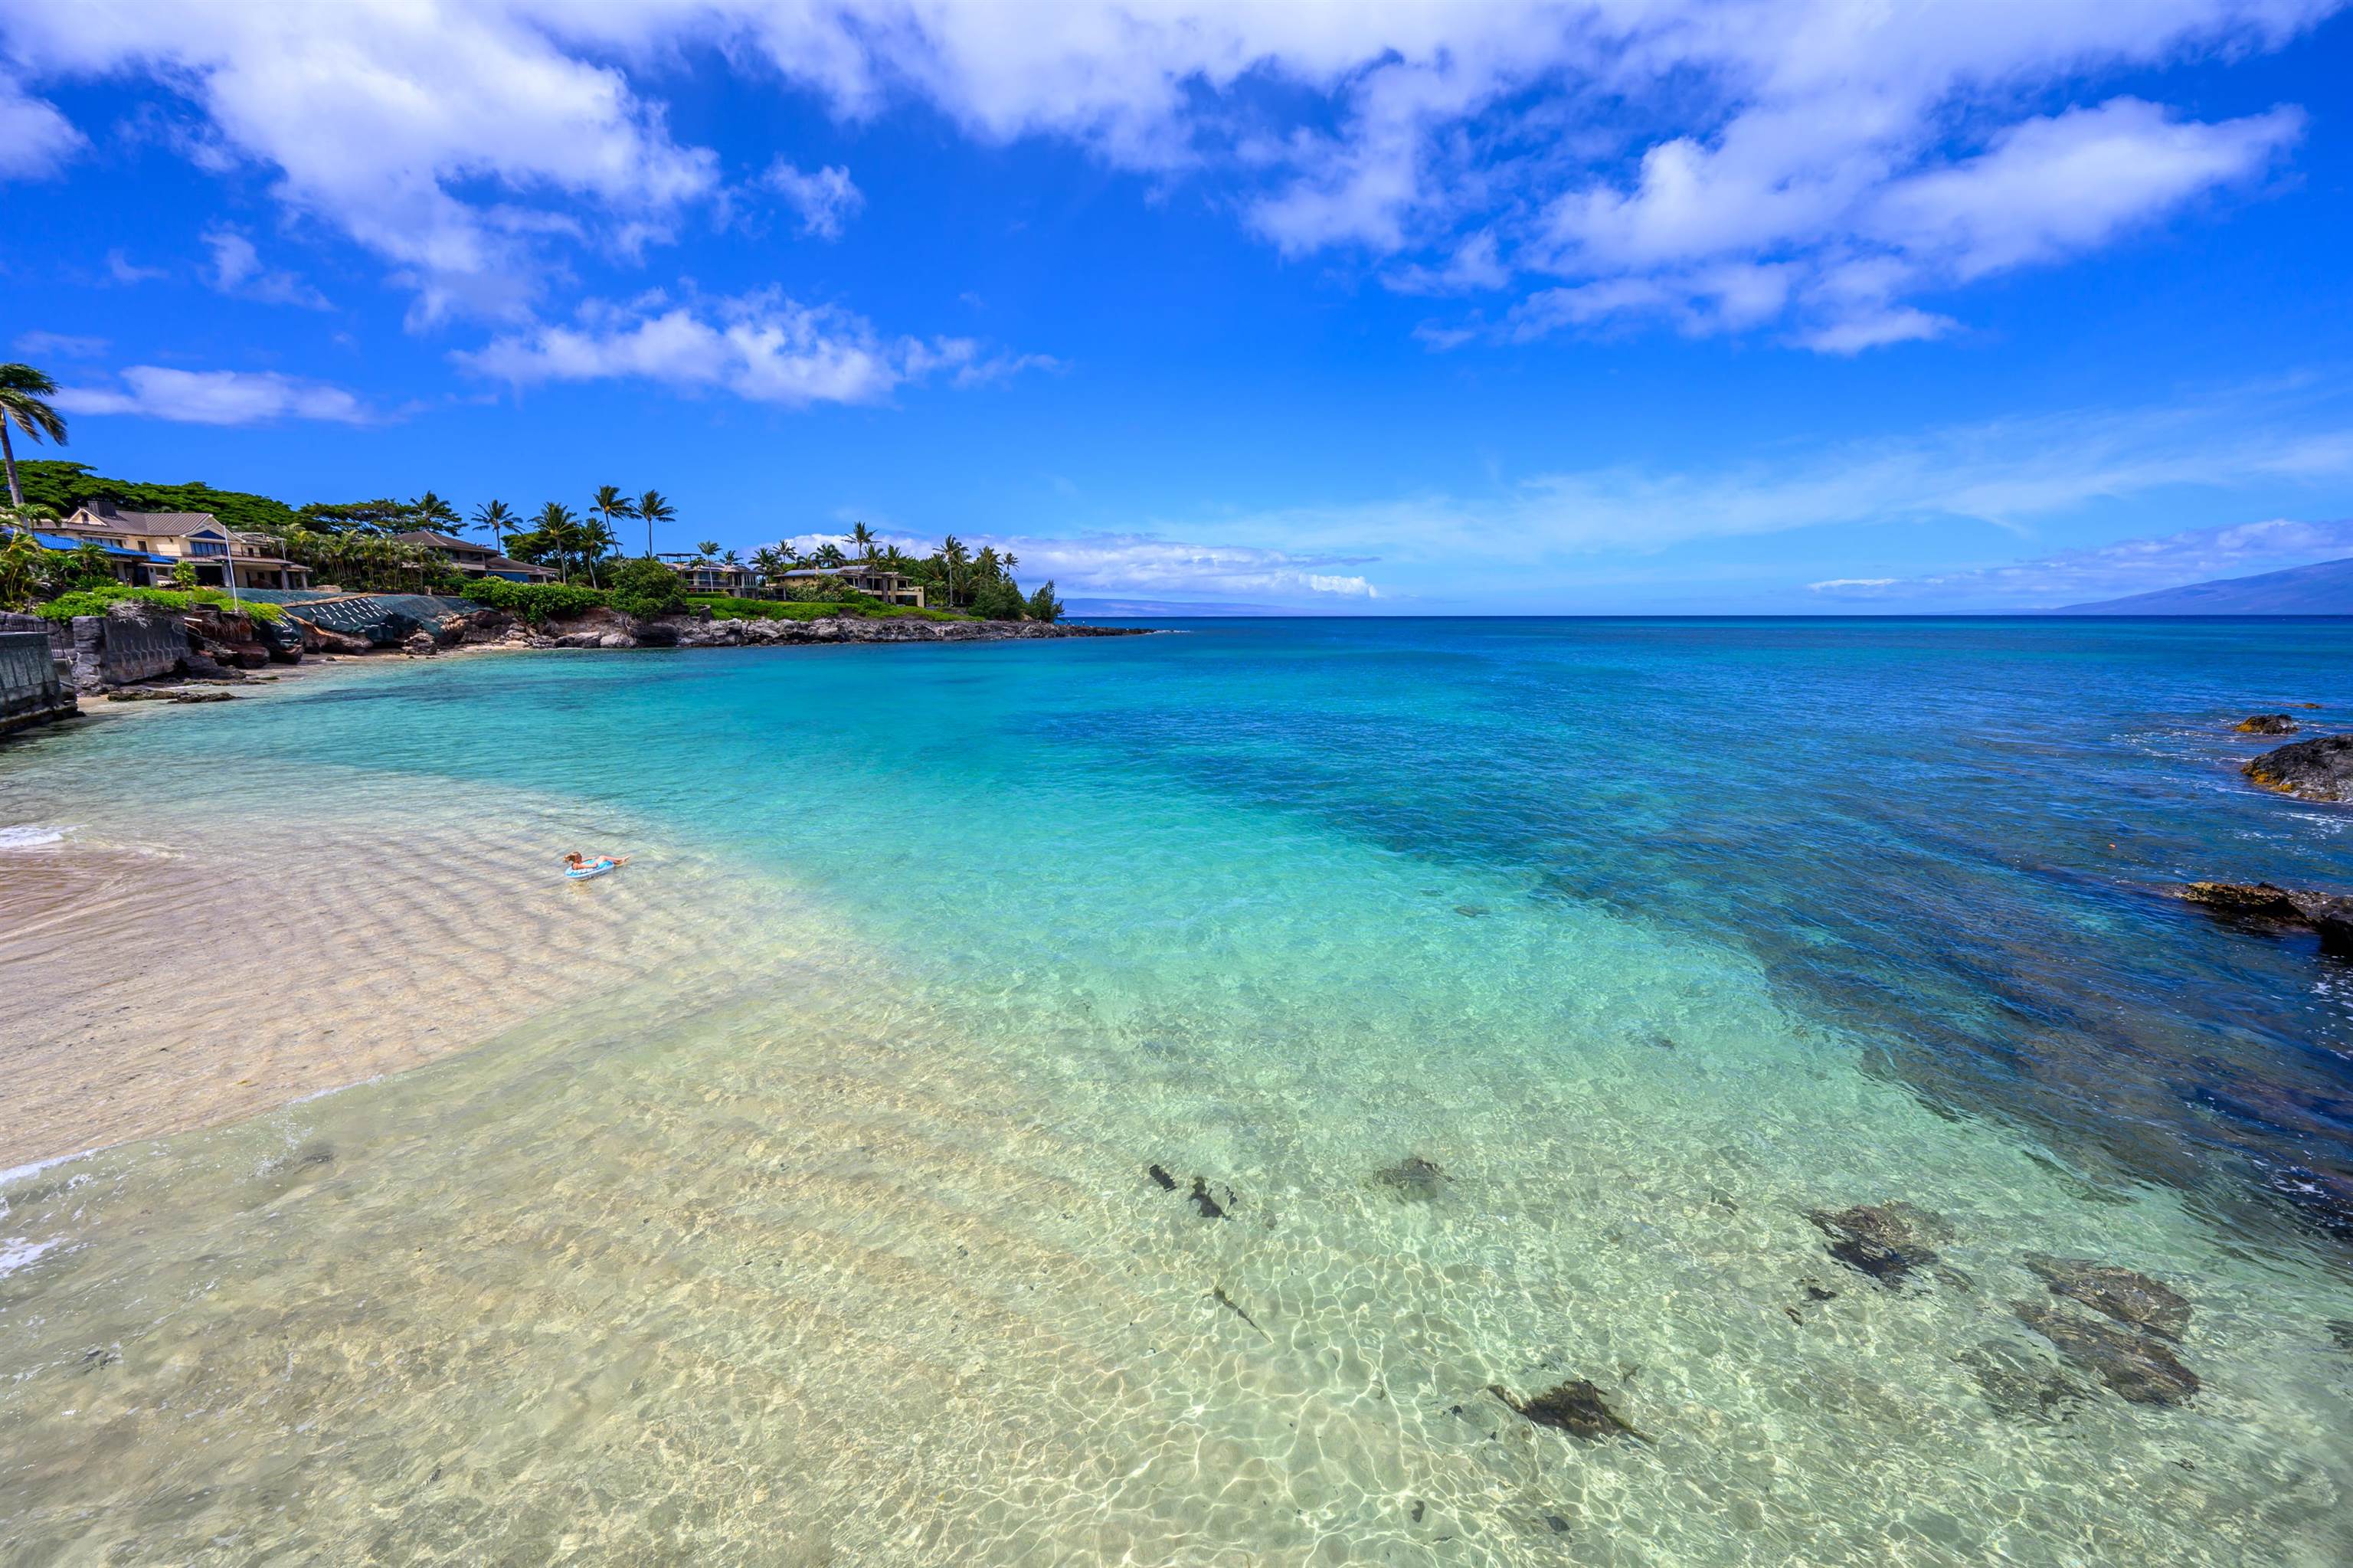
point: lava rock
(1210, 1209)
(2019, 1384)
(2135, 1365)
(1885, 1241)
(2258, 900)
(1577, 1408)
(2320, 768)
(1414, 1179)
(2131, 1298)
(2266, 724)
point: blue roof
(61, 542)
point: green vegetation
(851, 603)
(94, 600)
(24, 403)
(60, 487)
(645, 587)
(533, 602)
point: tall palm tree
(598, 541)
(608, 503)
(863, 537)
(654, 507)
(24, 395)
(562, 530)
(493, 518)
(952, 551)
(706, 552)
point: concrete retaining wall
(33, 687)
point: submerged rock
(2329, 915)
(2019, 1384)
(1575, 1408)
(1161, 1179)
(2135, 1365)
(1209, 1207)
(2320, 768)
(2266, 724)
(1414, 1179)
(2120, 1293)
(1885, 1241)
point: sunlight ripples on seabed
(827, 1232)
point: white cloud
(2009, 474)
(218, 398)
(63, 346)
(1724, 166)
(236, 270)
(434, 134)
(761, 347)
(36, 141)
(2113, 570)
(824, 199)
(1148, 563)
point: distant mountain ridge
(2323, 588)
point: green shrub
(535, 602)
(646, 588)
(93, 601)
(997, 599)
(1043, 606)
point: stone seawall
(33, 688)
(128, 642)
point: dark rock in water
(1471, 911)
(2322, 1199)
(2134, 1365)
(1209, 1207)
(1819, 1292)
(2258, 901)
(2342, 1332)
(2119, 1293)
(1885, 1241)
(1161, 1179)
(1414, 1179)
(2327, 915)
(2316, 770)
(1575, 1408)
(2266, 724)
(2019, 1384)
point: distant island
(2325, 589)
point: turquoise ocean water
(837, 1239)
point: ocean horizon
(1185, 1099)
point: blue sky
(1640, 305)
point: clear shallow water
(836, 1244)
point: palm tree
(768, 563)
(596, 541)
(493, 518)
(563, 533)
(24, 395)
(863, 537)
(608, 503)
(706, 552)
(432, 511)
(654, 508)
(952, 551)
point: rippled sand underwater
(823, 1245)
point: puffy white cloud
(823, 199)
(218, 398)
(763, 347)
(236, 270)
(34, 138)
(1720, 165)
